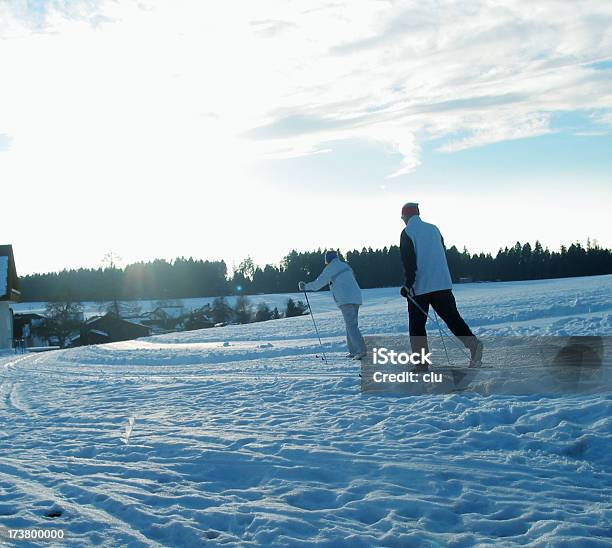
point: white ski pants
(354, 340)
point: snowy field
(240, 435)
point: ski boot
(476, 349)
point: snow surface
(241, 435)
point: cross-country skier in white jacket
(347, 294)
(428, 282)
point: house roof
(9, 281)
(29, 316)
(169, 311)
(110, 318)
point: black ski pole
(315, 326)
(439, 330)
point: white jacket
(432, 272)
(344, 286)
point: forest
(189, 277)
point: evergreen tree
(263, 313)
(188, 278)
(221, 311)
(294, 308)
(243, 312)
(199, 318)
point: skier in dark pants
(428, 282)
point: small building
(26, 326)
(167, 317)
(9, 293)
(108, 328)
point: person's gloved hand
(406, 292)
(301, 286)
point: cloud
(43, 15)
(603, 118)
(605, 64)
(503, 127)
(5, 142)
(416, 21)
(245, 81)
(299, 124)
(407, 146)
(270, 28)
(433, 70)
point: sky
(159, 129)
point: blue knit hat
(330, 256)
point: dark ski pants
(443, 302)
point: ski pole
(439, 328)
(315, 326)
(442, 338)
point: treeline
(220, 312)
(524, 262)
(158, 279)
(186, 278)
(62, 319)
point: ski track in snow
(183, 439)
